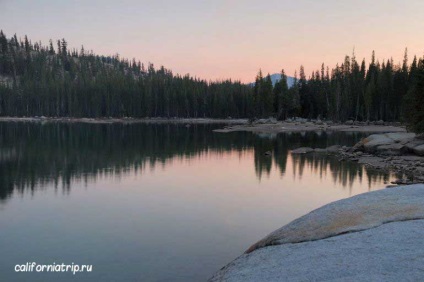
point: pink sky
(225, 39)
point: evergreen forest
(55, 81)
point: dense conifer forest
(54, 81)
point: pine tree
(415, 99)
(51, 49)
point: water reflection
(342, 172)
(34, 155)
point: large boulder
(373, 236)
(401, 137)
(391, 150)
(410, 146)
(373, 141)
(392, 252)
(388, 143)
(419, 150)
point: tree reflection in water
(34, 155)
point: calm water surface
(156, 202)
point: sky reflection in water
(157, 202)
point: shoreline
(126, 120)
(334, 241)
(285, 126)
(398, 152)
(233, 125)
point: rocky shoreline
(392, 149)
(375, 236)
(302, 125)
(402, 153)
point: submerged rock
(372, 236)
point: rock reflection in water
(34, 155)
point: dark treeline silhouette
(57, 82)
(35, 155)
(37, 80)
(351, 91)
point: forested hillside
(38, 80)
(55, 81)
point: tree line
(350, 91)
(58, 82)
(37, 80)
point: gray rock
(410, 158)
(373, 141)
(334, 149)
(403, 181)
(392, 252)
(419, 150)
(401, 136)
(272, 120)
(375, 162)
(349, 122)
(373, 236)
(380, 122)
(320, 150)
(261, 121)
(356, 213)
(376, 142)
(393, 149)
(302, 150)
(410, 146)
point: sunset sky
(225, 39)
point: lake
(146, 202)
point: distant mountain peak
(277, 76)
